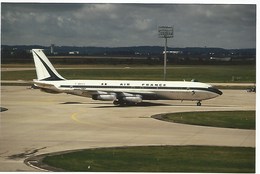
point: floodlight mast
(165, 32)
(165, 59)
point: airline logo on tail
(44, 69)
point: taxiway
(37, 123)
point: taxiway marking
(74, 117)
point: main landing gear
(198, 103)
(121, 103)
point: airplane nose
(215, 90)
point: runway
(37, 123)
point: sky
(227, 26)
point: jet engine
(133, 99)
(104, 97)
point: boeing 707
(120, 92)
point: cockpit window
(215, 90)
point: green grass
(18, 75)
(158, 159)
(226, 119)
(242, 73)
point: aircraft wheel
(198, 103)
(116, 102)
(120, 103)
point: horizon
(123, 46)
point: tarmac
(35, 123)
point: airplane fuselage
(141, 90)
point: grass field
(235, 73)
(208, 159)
(227, 119)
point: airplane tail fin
(44, 69)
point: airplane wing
(107, 95)
(114, 95)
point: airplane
(120, 92)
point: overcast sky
(113, 25)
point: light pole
(165, 32)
